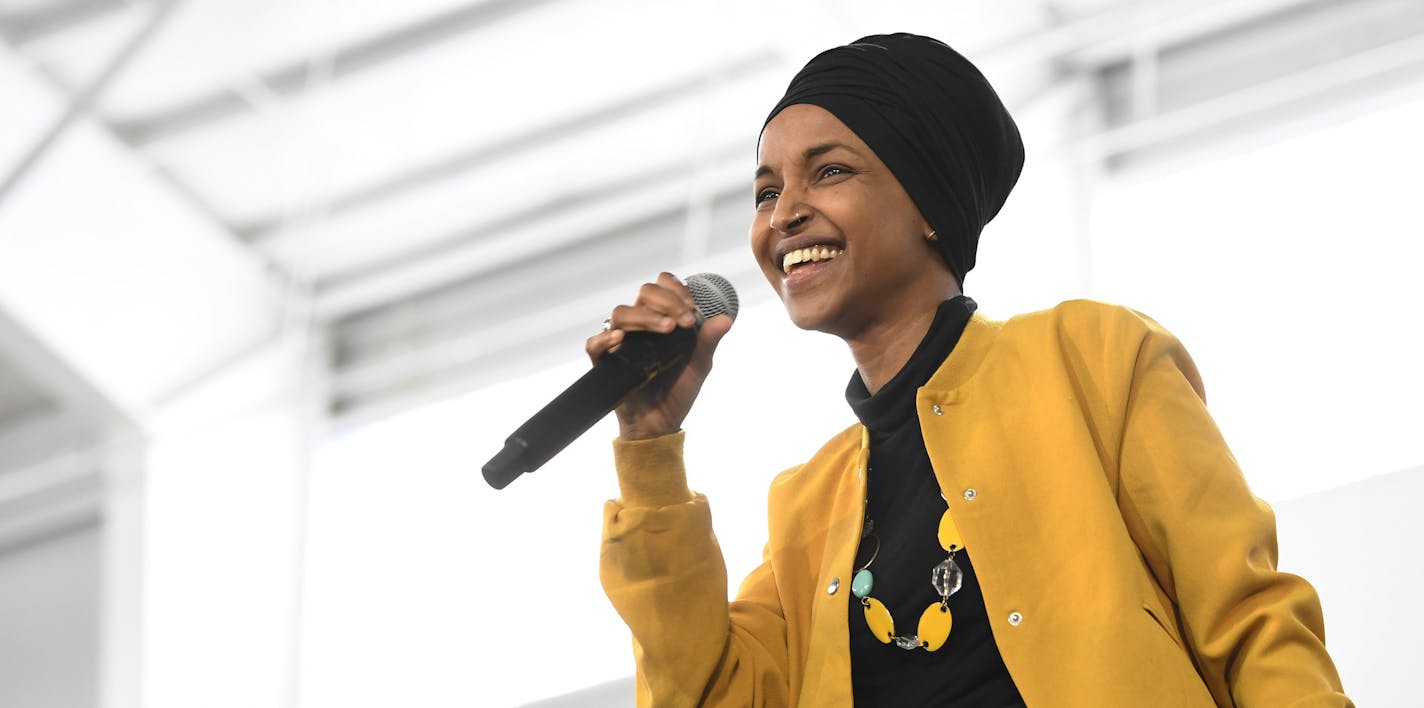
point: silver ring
(607, 323)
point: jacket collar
(979, 337)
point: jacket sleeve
(663, 570)
(1256, 634)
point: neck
(881, 350)
(879, 355)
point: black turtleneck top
(903, 499)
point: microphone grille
(713, 294)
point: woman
(1034, 512)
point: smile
(809, 255)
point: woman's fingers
(670, 283)
(669, 297)
(641, 318)
(600, 344)
(661, 306)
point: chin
(814, 319)
(810, 325)
(798, 315)
(818, 310)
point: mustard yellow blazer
(1123, 560)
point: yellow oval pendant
(881, 624)
(949, 538)
(934, 626)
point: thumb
(713, 330)
(709, 334)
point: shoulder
(1111, 340)
(1085, 318)
(1105, 341)
(1087, 327)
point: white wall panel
(49, 622)
(1356, 544)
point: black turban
(933, 119)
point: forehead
(799, 127)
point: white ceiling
(440, 175)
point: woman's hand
(660, 407)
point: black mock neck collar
(896, 400)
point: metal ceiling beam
(41, 366)
(80, 108)
(62, 495)
(51, 477)
(19, 400)
(19, 28)
(642, 228)
(1073, 36)
(294, 78)
(376, 376)
(1351, 74)
(39, 432)
(464, 363)
(488, 232)
(566, 128)
(83, 101)
(484, 252)
(1171, 21)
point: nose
(789, 218)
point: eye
(766, 194)
(830, 171)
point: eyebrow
(811, 152)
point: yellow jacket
(1122, 558)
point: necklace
(946, 579)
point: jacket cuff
(650, 472)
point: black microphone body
(640, 358)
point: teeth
(809, 255)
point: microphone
(640, 358)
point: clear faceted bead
(908, 643)
(947, 577)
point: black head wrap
(933, 119)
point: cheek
(759, 238)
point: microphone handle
(639, 359)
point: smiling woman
(1034, 512)
(820, 187)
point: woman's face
(835, 234)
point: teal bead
(862, 583)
